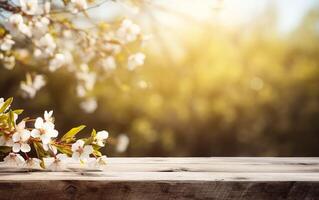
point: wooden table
(171, 178)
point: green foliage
(6, 105)
(70, 135)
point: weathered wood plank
(170, 178)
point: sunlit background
(221, 78)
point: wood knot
(71, 189)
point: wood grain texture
(170, 178)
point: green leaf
(42, 164)
(69, 136)
(5, 149)
(97, 153)
(18, 111)
(3, 117)
(96, 147)
(88, 141)
(6, 105)
(65, 150)
(11, 119)
(93, 133)
(39, 150)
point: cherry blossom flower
(128, 31)
(100, 138)
(47, 7)
(40, 26)
(6, 43)
(78, 5)
(9, 62)
(20, 138)
(6, 140)
(57, 62)
(30, 87)
(87, 78)
(46, 46)
(48, 116)
(33, 163)
(108, 63)
(122, 143)
(135, 60)
(14, 160)
(57, 163)
(16, 21)
(97, 163)
(89, 105)
(80, 91)
(80, 151)
(29, 7)
(112, 48)
(44, 130)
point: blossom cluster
(43, 38)
(20, 138)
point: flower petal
(45, 139)
(21, 125)
(54, 133)
(76, 155)
(25, 147)
(25, 135)
(88, 149)
(16, 137)
(102, 135)
(38, 123)
(61, 156)
(16, 147)
(35, 133)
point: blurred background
(221, 78)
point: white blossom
(135, 60)
(46, 45)
(48, 116)
(47, 7)
(78, 5)
(30, 87)
(14, 160)
(44, 130)
(29, 7)
(97, 163)
(108, 63)
(6, 140)
(33, 163)
(100, 138)
(57, 62)
(112, 47)
(89, 105)
(6, 43)
(57, 163)
(9, 62)
(122, 143)
(87, 78)
(128, 31)
(80, 91)
(80, 151)
(16, 21)
(21, 138)
(40, 26)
